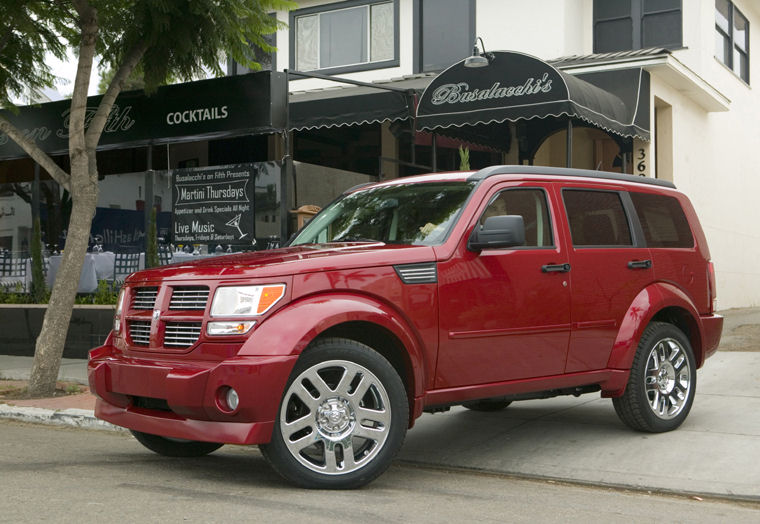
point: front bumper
(183, 398)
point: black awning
(516, 87)
(345, 106)
(205, 109)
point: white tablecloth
(96, 266)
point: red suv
(414, 295)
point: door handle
(555, 268)
(639, 264)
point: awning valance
(516, 87)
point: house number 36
(641, 162)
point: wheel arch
(345, 315)
(657, 302)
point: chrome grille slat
(144, 297)
(189, 298)
(139, 332)
(181, 334)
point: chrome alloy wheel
(667, 378)
(335, 417)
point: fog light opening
(229, 400)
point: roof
(600, 58)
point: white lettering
(461, 93)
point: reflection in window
(626, 25)
(529, 204)
(732, 38)
(345, 37)
(596, 218)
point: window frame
(348, 4)
(732, 9)
(637, 16)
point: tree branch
(98, 122)
(37, 154)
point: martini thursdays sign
(214, 205)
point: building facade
(675, 75)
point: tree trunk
(50, 343)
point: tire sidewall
(652, 336)
(342, 349)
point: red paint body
(492, 325)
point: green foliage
(39, 290)
(14, 294)
(151, 248)
(464, 158)
(106, 294)
(29, 30)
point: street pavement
(714, 454)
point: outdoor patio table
(96, 266)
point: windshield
(416, 214)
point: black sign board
(214, 205)
(235, 105)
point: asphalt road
(60, 474)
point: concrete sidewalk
(715, 452)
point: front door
(505, 313)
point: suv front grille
(139, 332)
(181, 334)
(145, 298)
(189, 297)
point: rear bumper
(712, 328)
(184, 399)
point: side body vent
(426, 273)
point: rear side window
(662, 220)
(596, 218)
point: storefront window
(358, 35)
(732, 38)
(626, 25)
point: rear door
(610, 266)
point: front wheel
(342, 419)
(662, 383)
(171, 447)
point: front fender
(650, 301)
(290, 330)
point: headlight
(245, 301)
(117, 315)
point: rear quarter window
(663, 221)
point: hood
(289, 261)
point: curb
(78, 418)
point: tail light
(712, 293)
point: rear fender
(643, 309)
(290, 330)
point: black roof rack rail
(566, 171)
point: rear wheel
(487, 404)
(662, 383)
(342, 419)
(171, 447)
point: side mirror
(498, 232)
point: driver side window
(531, 205)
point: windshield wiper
(351, 238)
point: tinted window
(662, 220)
(529, 204)
(447, 35)
(626, 25)
(596, 218)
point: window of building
(596, 218)
(529, 204)
(445, 33)
(663, 221)
(348, 36)
(626, 25)
(732, 38)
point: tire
(487, 404)
(170, 447)
(662, 383)
(342, 419)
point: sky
(67, 71)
